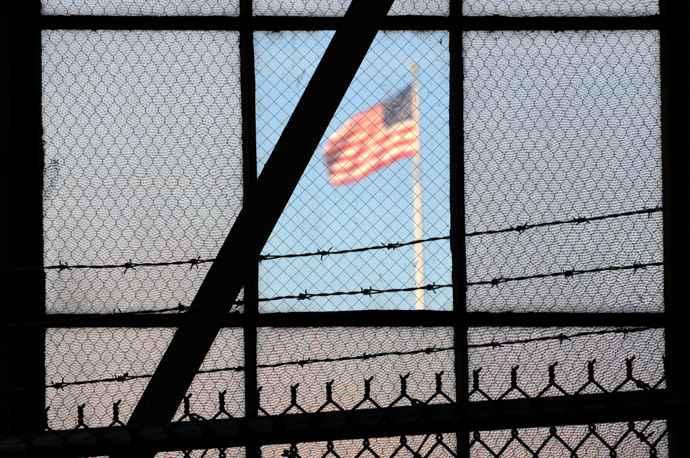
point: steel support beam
(260, 213)
(675, 166)
(356, 424)
(359, 318)
(277, 23)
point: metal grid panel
(91, 355)
(323, 8)
(375, 210)
(560, 8)
(562, 126)
(276, 346)
(141, 8)
(143, 158)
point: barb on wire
(561, 337)
(195, 262)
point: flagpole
(417, 190)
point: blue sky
(376, 210)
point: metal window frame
(27, 356)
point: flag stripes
(366, 142)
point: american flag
(372, 139)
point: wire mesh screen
(431, 445)
(141, 8)
(309, 359)
(107, 368)
(235, 452)
(142, 134)
(560, 8)
(370, 210)
(563, 127)
(562, 361)
(634, 439)
(338, 7)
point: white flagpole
(417, 189)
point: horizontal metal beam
(397, 421)
(277, 23)
(363, 318)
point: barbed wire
(180, 308)
(196, 262)
(561, 337)
(566, 273)
(433, 286)
(524, 227)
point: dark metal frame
(22, 233)
(26, 359)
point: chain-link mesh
(323, 8)
(634, 439)
(236, 452)
(324, 379)
(141, 8)
(422, 389)
(500, 367)
(142, 134)
(276, 345)
(374, 210)
(125, 354)
(560, 8)
(431, 445)
(638, 439)
(563, 125)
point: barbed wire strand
(180, 308)
(561, 337)
(195, 262)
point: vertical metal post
(457, 213)
(22, 397)
(417, 199)
(251, 285)
(675, 163)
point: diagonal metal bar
(386, 422)
(259, 215)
